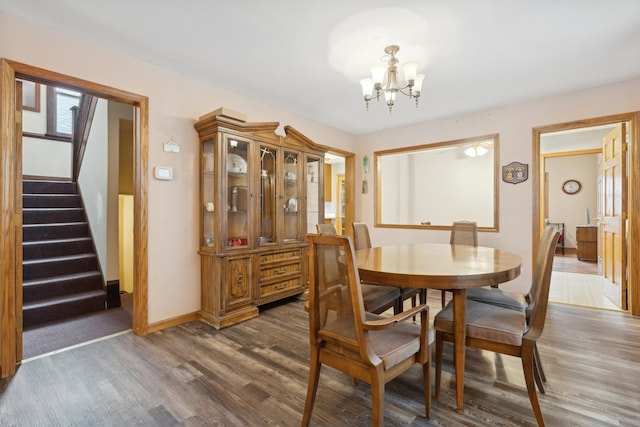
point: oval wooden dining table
(441, 266)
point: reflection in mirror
(433, 185)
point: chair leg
(377, 399)
(442, 297)
(537, 373)
(536, 376)
(439, 342)
(312, 388)
(426, 374)
(527, 367)
(538, 360)
(423, 296)
(397, 306)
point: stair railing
(82, 118)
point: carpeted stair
(61, 276)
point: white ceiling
(308, 56)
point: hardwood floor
(255, 374)
(578, 282)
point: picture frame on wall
(30, 96)
(515, 172)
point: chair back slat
(541, 282)
(464, 233)
(361, 238)
(328, 229)
(336, 310)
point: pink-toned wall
(514, 123)
(175, 103)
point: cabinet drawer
(275, 257)
(280, 271)
(586, 234)
(279, 287)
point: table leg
(459, 333)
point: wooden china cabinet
(260, 194)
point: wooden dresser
(587, 242)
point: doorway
(339, 190)
(11, 192)
(573, 194)
(57, 316)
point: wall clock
(571, 186)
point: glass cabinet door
(291, 196)
(268, 196)
(207, 189)
(238, 195)
(315, 204)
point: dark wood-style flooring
(255, 374)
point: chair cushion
(487, 322)
(378, 298)
(397, 343)
(495, 296)
(391, 345)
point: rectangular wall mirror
(433, 185)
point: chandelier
(390, 86)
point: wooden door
(340, 204)
(10, 221)
(613, 227)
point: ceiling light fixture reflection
(476, 151)
(389, 86)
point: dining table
(443, 266)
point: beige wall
(175, 103)
(514, 124)
(571, 209)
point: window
(59, 115)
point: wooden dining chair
(377, 298)
(504, 330)
(325, 228)
(369, 347)
(462, 233)
(362, 240)
(519, 301)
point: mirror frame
(377, 155)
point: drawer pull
(282, 286)
(280, 270)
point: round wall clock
(571, 186)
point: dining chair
(377, 298)
(344, 336)
(519, 301)
(362, 240)
(325, 228)
(504, 330)
(462, 233)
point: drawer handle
(280, 270)
(278, 287)
(240, 279)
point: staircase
(61, 276)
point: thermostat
(163, 172)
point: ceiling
(308, 57)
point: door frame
(633, 192)
(11, 196)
